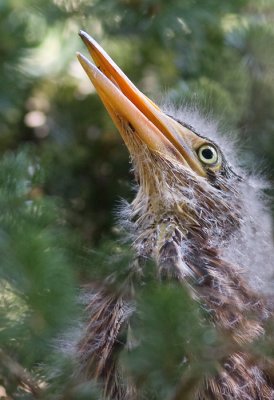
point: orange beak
(128, 106)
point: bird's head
(180, 172)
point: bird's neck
(182, 251)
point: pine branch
(23, 377)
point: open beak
(128, 106)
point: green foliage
(173, 341)
(36, 274)
(57, 197)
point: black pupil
(207, 154)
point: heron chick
(190, 209)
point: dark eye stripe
(226, 170)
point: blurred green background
(64, 166)
(219, 54)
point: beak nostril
(131, 127)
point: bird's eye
(208, 154)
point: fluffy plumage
(209, 231)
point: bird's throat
(184, 253)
